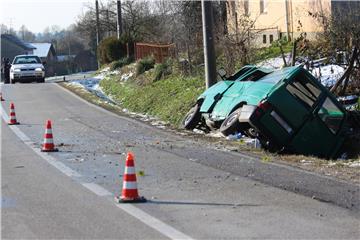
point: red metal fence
(159, 52)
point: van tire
(231, 124)
(192, 118)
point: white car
(27, 68)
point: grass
(168, 99)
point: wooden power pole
(97, 23)
(119, 23)
(209, 49)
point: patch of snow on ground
(126, 77)
(274, 63)
(105, 70)
(328, 74)
(354, 164)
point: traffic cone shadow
(129, 193)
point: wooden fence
(159, 52)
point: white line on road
(97, 189)
(147, 219)
(153, 222)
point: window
(246, 7)
(264, 39)
(26, 60)
(241, 72)
(303, 90)
(254, 76)
(271, 38)
(331, 115)
(262, 6)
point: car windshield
(26, 60)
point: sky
(36, 15)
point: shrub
(111, 49)
(120, 63)
(162, 70)
(144, 65)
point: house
(64, 58)
(45, 51)
(275, 19)
(47, 54)
(12, 46)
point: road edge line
(98, 190)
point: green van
(285, 109)
(220, 105)
(301, 115)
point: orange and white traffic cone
(12, 120)
(48, 145)
(129, 191)
(1, 97)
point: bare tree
(26, 35)
(342, 33)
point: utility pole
(97, 23)
(97, 30)
(209, 50)
(119, 22)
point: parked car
(286, 109)
(27, 68)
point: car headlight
(39, 69)
(16, 70)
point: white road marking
(97, 189)
(155, 223)
(147, 219)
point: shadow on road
(203, 204)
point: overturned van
(301, 115)
(287, 109)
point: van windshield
(241, 72)
(254, 76)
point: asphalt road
(69, 194)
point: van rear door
(319, 132)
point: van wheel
(192, 118)
(12, 81)
(231, 124)
(251, 132)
